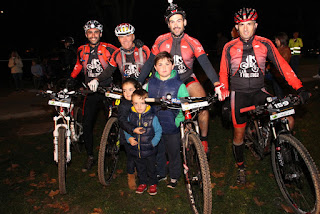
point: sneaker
(153, 189)
(205, 146)
(88, 164)
(161, 178)
(317, 76)
(172, 184)
(141, 188)
(241, 178)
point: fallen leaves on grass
(60, 205)
(213, 185)
(287, 208)
(92, 175)
(259, 203)
(218, 175)
(96, 211)
(53, 193)
(219, 193)
(13, 167)
(32, 175)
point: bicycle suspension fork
(56, 137)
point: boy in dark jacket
(166, 81)
(143, 145)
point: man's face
(139, 104)
(176, 24)
(126, 41)
(93, 36)
(247, 29)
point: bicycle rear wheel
(197, 175)
(62, 164)
(109, 151)
(296, 174)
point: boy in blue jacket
(143, 146)
(166, 81)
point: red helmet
(245, 14)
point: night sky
(42, 24)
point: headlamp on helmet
(93, 24)
(172, 10)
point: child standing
(129, 85)
(166, 81)
(143, 145)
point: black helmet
(68, 39)
(172, 10)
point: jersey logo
(249, 64)
(179, 65)
(131, 71)
(94, 68)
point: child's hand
(132, 141)
(139, 130)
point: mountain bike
(195, 164)
(295, 171)
(67, 130)
(110, 143)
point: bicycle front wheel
(296, 174)
(62, 163)
(109, 151)
(197, 175)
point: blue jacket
(158, 88)
(148, 140)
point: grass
(29, 175)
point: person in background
(37, 73)
(295, 45)
(16, 65)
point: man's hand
(93, 85)
(221, 91)
(132, 141)
(139, 130)
(304, 95)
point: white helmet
(93, 24)
(124, 29)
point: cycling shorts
(190, 80)
(241, 100)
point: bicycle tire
(297, 175)
(197, 175)
(253, 138)
(108, 151)
(62, 164)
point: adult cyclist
(92, 59)
(130, 57)
(184, 50)
(243, 65)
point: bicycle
(67, 130)
(110, 143)
(195, 164)
(295, 171)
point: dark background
(36, 27)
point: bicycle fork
(56, 137)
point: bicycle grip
(151, 100)
(246, 109)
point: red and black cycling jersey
(184, 51)
(92, 60)
(243, 63)
(130, 62)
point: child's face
(127, 90)
(139, 104)
(164, 68)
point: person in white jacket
(15, 64)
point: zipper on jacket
(139, 136)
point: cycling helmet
(124, 29)
(93, 24)
(245, 14)
(172, 10)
